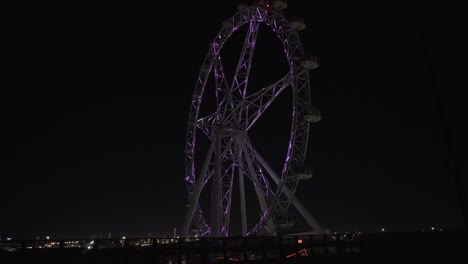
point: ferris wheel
(232, 161)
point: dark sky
(95, 100)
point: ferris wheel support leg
(243, 207)
(197, 191)
(216, 191)
(258, 191)
(299, 206)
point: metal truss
(231, 153)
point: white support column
(243, 208)
(216, 191)
(299, 206)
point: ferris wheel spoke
(241, 76)
(206, 124)
(275, 206)
(261, 173)
(273, 175)
(223, 97)
(256, 103)
(261, 189)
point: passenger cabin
(304, 173)
(310, 62)
(297, 23)
(284, 221)
(280, 4)
(312, 115)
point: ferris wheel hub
(231, 132)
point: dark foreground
(418, 247)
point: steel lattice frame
(231, 150)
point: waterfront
(421, 247)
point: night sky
(95, 100)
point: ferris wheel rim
(273, 19)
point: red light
(299, 241)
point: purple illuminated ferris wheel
(231, 163)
